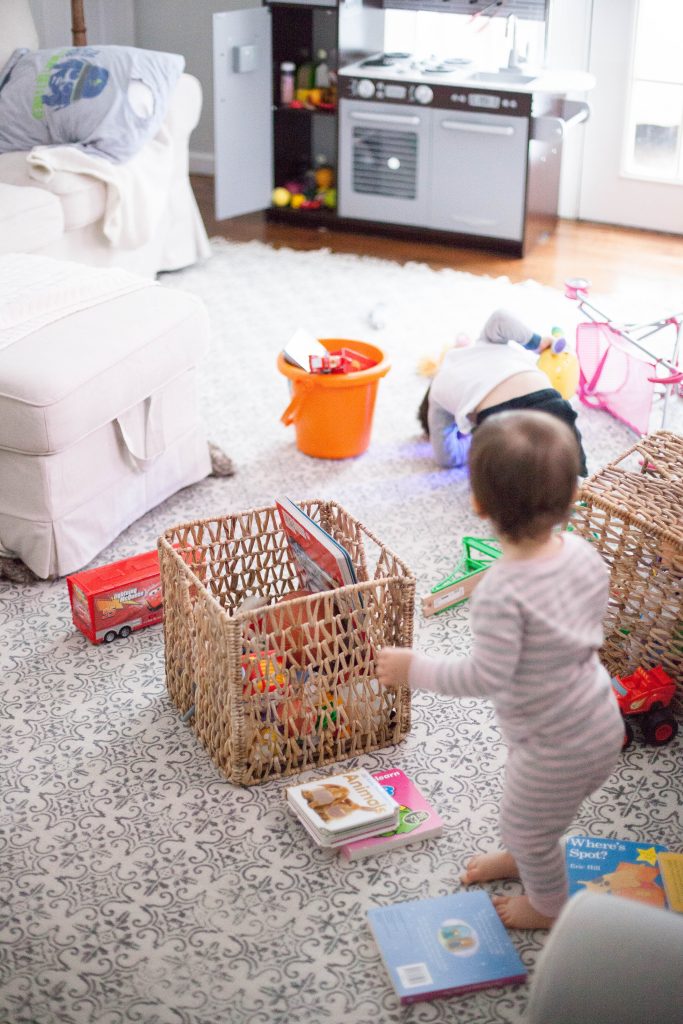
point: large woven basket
(276, 690)
(632, 510)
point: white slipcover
(98, 423)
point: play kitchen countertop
(526, 80)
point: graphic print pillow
(108, 100)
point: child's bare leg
(517, 912)
(486, 867)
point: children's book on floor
(338, 808)
(322, 563)
(618, 867)
(671, 870)
(445, 946)
(417, 819)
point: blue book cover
(617, 867)
(445, 946)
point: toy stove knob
(365, 89)
(424, 94)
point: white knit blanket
(37, 290)
(136, 191)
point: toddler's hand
(393, 665)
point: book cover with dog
(348, 805)
(616, 867)
(417, 818)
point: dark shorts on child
(547, 400)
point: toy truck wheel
(109, 636)
(628, 735)
(126, 631)
(659, 727)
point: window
(654, 124)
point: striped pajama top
(537, 628)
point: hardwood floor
(618, 262)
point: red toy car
(116, 599)
(647, 692)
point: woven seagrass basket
(279, 689)
(632, 510)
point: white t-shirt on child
(467, 375)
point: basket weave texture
(632, 510)
(291, 686)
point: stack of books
(340, 808)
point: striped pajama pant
(543, 790)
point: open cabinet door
(243, 128)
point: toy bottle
(305, 75)
(321, 78)
(287, 82)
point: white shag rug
(138, 885)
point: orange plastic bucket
(332, 412)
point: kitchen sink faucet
(515, 61)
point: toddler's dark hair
(423, 411)
(523, 472)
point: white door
(633, 158)
(243, 120)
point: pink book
(417, 818)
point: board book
(618, 867)
(322, 563)
(300, 347)
(338, 808)
(445, 946)
(671, 870)
(417, 819)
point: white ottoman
(98, 423)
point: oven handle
(480, 129)
(388, 118)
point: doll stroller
(617, 371)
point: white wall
(179, 26)
(185, 26)
(106, 22)
(568, 48)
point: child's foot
(486, 867)
(517, 912)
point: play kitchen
(426, 118)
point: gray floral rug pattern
(136, 884)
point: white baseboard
(201, 163)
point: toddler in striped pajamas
(536, 620)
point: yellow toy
(560, 366)
(281, 196)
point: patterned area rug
(139, 885)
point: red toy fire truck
(647, 693)
(116, 599)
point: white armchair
(105, 215)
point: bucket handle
(292, 411)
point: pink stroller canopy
(614, 375)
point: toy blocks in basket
(273, 690)
(632, 511)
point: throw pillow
(108, 100)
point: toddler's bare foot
(517, 912)
(485, 867)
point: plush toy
(560, 366)
(562, 370)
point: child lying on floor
(485, 378)
(536, 622)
